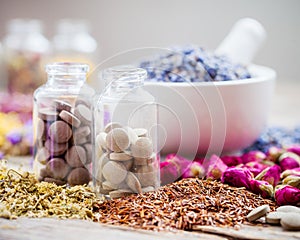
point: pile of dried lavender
(182, 205)
(22, 195)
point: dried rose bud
(215, 168)
(194, 170)
(292, 181)
(294, 149)
(237, 177)
(270, 175)
(262, 188)
(288, 172)
(288, 163)
(287, 195)
(181, 162)
(232, 160)
(168, 172)
(273, 153)
(253, 156)
(289, 160)
(254, 171)
(257, 165)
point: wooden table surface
(285, 111)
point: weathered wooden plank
(51, 228)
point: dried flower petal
(292, 181)
(253, 156)
(232, 160)
(273, 153)
(270, 175)
(287, 195)
(288, 172)
(288, 163)
(237, 177)
(194, 170)
(262, 188)
(294, 149)
(214, 168)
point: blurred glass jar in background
(25, 51)
(73, 43)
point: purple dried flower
(14, 137)
(253, 156)
(215, 167)
(237, 177)
(270, 175)
(232, 160)
(262, 188)
(287, 195)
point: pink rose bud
(294, 149)
(181, 162)
(288, 163)
(262, 188)
(237, 177)
(253, 156)
(270, 175)
(288, 172)
(257, 165)
(232, 160)
(289, 160)
(254, 171)
(168, 172)
(273, 153)
(292, 181)
(215, 168)
(194, 170)
(287, 195)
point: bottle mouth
(124, 73)
(67, 68)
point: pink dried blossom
(288, 163)
(270, 175)
(237, 177)
(253, 156)
(195, 169)
(215, 168)
(262, 188)
(288, 172)
(232, 160)
(287, 195)
(273, 153)
(294, 149)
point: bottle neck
(124, 78)
(66, 80)
(66, 74)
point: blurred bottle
(73, 43)
(25, 51)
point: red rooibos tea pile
(182, 205)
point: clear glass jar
(62, 122)
(126, 158)
(25, 51)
